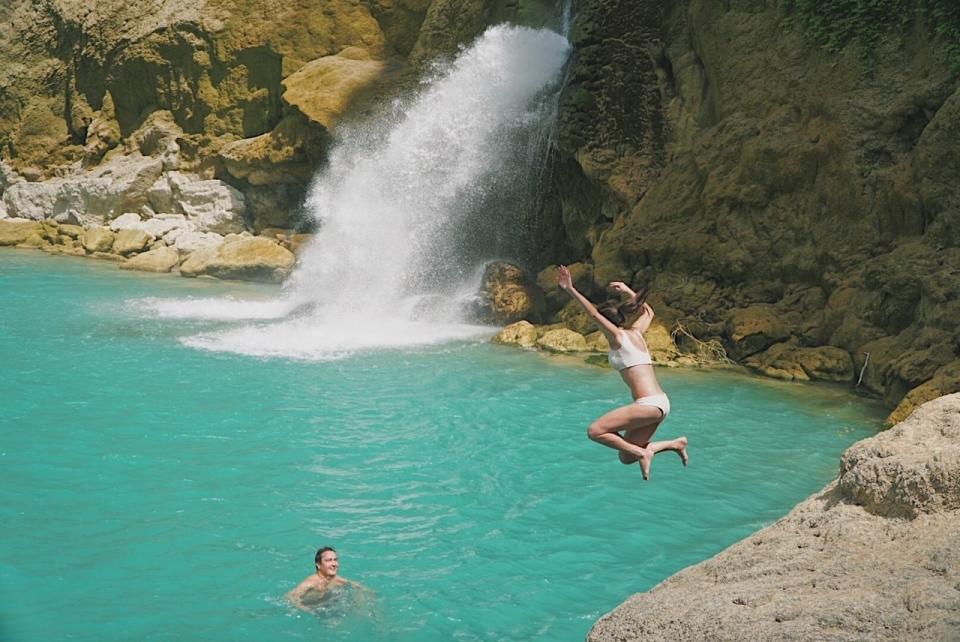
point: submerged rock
(507, 294)
(522, 334)
(873, 556)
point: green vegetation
(834, 23)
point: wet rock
(562, 340)
(507, 295)
(522, 334)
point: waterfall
(400, 210)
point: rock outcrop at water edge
(873, 556)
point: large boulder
(755, 328)
(188, 242)
(97, 239)
(910, 469)
(288, 154)
(507, 294)
(575, 317)
(562, 340)
(323, 89)
(795, 363)
(597, 342)
(21, 232)
(247, 258)
(522, 334)
(162, 259)
(945, 381)
(660, 343)
(130, 241)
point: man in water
(315, 588)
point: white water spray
(394, 211)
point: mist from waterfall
(404, 211)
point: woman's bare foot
(646, 458)
(682, 450)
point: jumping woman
(623, 323)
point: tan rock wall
(756, 169)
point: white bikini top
(628, 354)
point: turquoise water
(153, 491)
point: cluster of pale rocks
(147, 217)
(559, 339)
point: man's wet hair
(319, 555)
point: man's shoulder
(314, 581)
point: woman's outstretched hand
(564, 280)
(621, 288)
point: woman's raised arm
(565, 281)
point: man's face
(328, 564)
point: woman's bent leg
(641, 421)
(640, 438)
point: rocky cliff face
(246, 91)
(776, 197)
(874, 556)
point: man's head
(327, 562)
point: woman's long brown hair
(618, 312)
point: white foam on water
(306, 339)
(215, 309)
(392, 205)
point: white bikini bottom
(657, 401)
